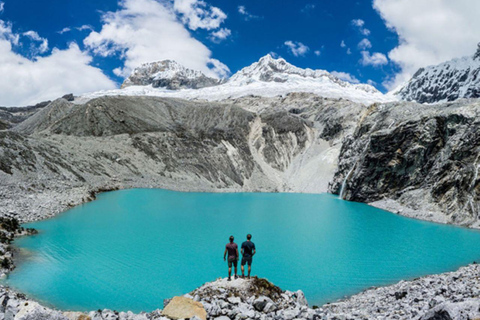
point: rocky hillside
(451, 80)
(66, 153)
(170, 75)
(420, 161)
(9, 117)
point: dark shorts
(246, 261)
(232, 260)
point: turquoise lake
(131, 249)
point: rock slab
(184, 308)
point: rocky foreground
(446, 296)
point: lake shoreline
(354, 304)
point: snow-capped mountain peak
(267, 77)
(270, 69)
(168, 74)
(448, 81)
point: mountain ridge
(447, 81)
(267, 77)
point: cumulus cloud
(345, 76)
(430, 32)
(376, 59)
(2, 6)
(198, 14)
(298, 49)
(42, 47)
(247, 15)
(220, 35)
(146, 30)
(342, 44)
(29, 81)
(317, 53)
(359, 24)
(364, 44)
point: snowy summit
(448, 81)
(268, 77)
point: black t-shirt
(248, 247)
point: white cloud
(220, 35)
(33, 35)
(84, 27)
(65, 30)
(274, 55)
(43, 78)
(317, 53)
(360, 25)
(430, 32)
(376, 59)
(145, 31)
(298, 49)
(247, 15)
(349, 51)
(81, 28)
(342, 44)
(198, 14)
(364, 44)
(345, 76)
(220, 69)
(2, 6)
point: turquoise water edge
(131, 249)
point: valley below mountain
(416, 160)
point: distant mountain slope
(268, 77)
(448, 81)
(168, 74)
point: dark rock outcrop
(420, 157)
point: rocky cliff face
(421, 161)
(451, 80)
(65, 153)
(170, 75)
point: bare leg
(243, 270)
(235, 271)
(229, 272)
(249, 269)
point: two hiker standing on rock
(248, 251)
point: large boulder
(184, 308)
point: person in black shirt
(248, 251)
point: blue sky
(110, 37)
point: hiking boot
(229, 279)
(236, 277)
(248, 277)
(242, 276)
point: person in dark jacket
(248, 251)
